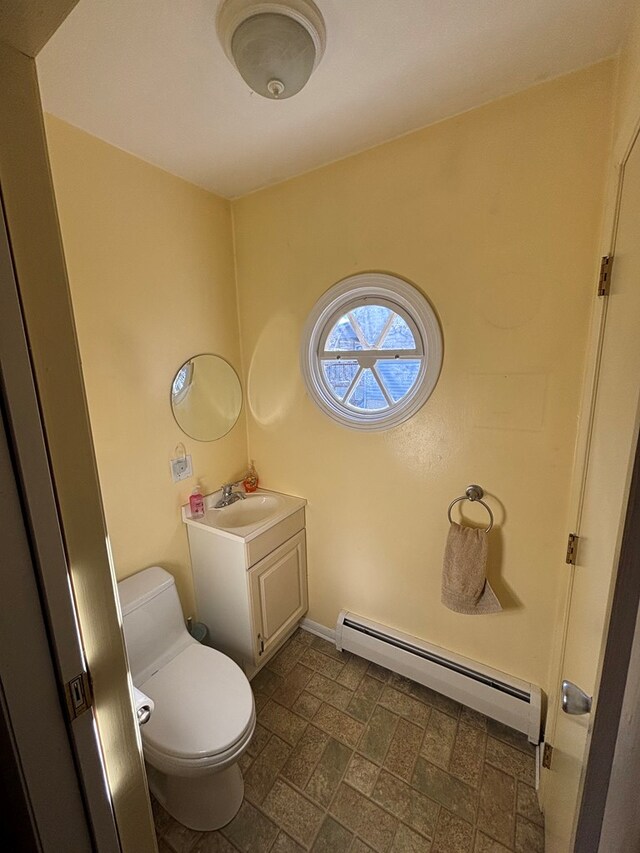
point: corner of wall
(243, 365)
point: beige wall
(495, 215)
(152, 281)
(627, 114)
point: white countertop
(215, 522)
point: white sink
(245, 519)
(252, 510)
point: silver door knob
(575, 700)
(144, 715)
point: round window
(371, 351)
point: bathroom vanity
(250, 573)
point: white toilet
(204, 713)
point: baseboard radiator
(509, 700)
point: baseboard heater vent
(510, 701)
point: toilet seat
(204, 712)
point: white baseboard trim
(319, 630)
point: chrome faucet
(229, 496)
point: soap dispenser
(250, 481)
(196, 503)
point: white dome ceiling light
(274, 46)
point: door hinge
(604, 281)
(261, 642)
(572, 548)
(79, 695)
(547, 755)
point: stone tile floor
(348, 756)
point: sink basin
(245, 519)
(252, 510)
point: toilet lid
(203, 704)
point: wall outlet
(181, 468)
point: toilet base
(202, 803)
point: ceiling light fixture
(274, 46)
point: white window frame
(402, 298)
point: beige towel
(465, 587)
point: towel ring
(475, 494)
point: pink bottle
(196, 503)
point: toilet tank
(154, 628)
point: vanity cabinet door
(278, 586)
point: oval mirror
(206, 397)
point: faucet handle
(227, 488)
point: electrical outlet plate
(181, 468)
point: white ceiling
(150, 76)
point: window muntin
(382, 351)
(371, 351)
